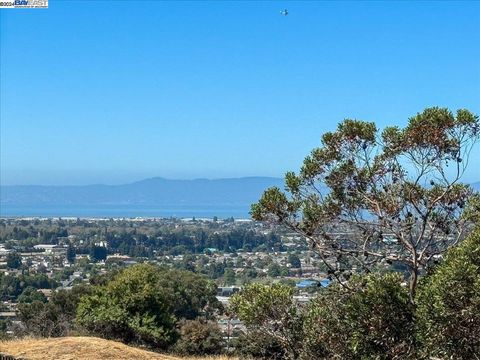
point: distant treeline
(144, 241)
(175, 243)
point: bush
(271, 310)
(448, 304)
(373, 321)
(14, 260)
(199, 338)
(143, 303)
(30, 294)
(258, 345)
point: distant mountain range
(154, 191)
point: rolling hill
(154, 191)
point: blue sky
(116, 91)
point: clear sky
(116, 91)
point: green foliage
(159, 238)
(14, 260)
(288, 282)
(199, 338)
(472, 209)
(374, 321)
(229, 277)
(71, 254)
(66, 301)
(248, 274)
(98, 253)
(142, 304)
(130, 308)
(190, 295)
(272, 311)
(257, 304)
(258, 345)
(448, 313)
(12, 286)
(30, 294)
(294, 261)
(4, 324)
(274, 270)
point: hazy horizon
(137, 180)
(150, 178)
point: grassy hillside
(80, 348)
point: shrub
(30, 294)
(373, 321)
(271, 310)
(259, 345)
(448, 304)
(199, 338)
(14, 260)
(143, 303)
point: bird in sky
(284, 12)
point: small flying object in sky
(284, 12)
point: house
(310, 282)
(227, 291)
(50, 249)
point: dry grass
(82, 348)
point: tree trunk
(413, 283)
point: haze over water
(127, 211)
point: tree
(271, 310)
(248, 274)
(14, 260)
(448, 310)
(71, 254)
(274, 270)
(30, 294)
(142, 304)
(190, 295)
(229, 277)
(294, 261)
(98, 253)
(130, 308)
(373, 197)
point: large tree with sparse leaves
(391, 196)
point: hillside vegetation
(81, 348)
